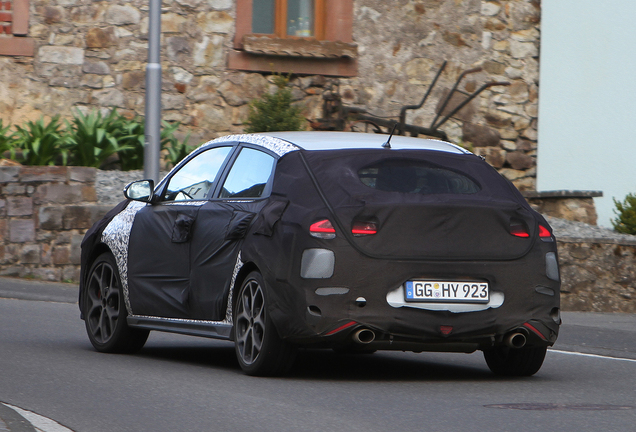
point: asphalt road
(180, 383)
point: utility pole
(152, 145)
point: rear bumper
(304, 314)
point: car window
(195, 179)
(249, 175)
(413, 176)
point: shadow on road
(329, 365)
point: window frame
(228, 167)
(280, 21)
(335, 33)
(162, 187)
(17, 44)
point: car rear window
(415, 176)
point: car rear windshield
(415, 176)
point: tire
(105, 310)
(506, 361)
(259, 349)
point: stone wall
(597, 277)
(44, 213)
(92, 54)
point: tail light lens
(322, 229)
(363, 228)
(519, 229)
(544, 234)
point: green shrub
(132, 138)
(6, 141)
(132, 158)
(91, 140)
(274, 112)
(177, 150)
(38, 143)
(625, 211)
(94, 139)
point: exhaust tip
(364, 336)
(515, 340)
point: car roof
(284, 142)
(316, 140)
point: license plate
(447, 291)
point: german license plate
(447, 291)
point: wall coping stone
(562, 194)
(619, 242)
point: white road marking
(40, 423)
(592, 355)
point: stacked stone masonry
(597, 277)
(44, 213)
(92, 54)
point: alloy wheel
(250, 322)
(103, 302)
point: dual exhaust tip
(515, 339)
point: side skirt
(210, 329)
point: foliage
(38, 143)
(625, 211)
(134, 137)
(274, 112)
(176, 151)
(5, 140)
(94, 139)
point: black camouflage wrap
(183, 260)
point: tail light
(544, 234)
(363, 228)
(322, 229)
(518, 229)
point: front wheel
(105, 311)
(506, 361)
(259, 349)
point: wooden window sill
(296, 47)
(337, 67)
(298, 56)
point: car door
(161, 236)
(222, 224)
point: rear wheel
(506, 361)
(105, 311)
(259, 349)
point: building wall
(92, 54)
(587, 99)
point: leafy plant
(274, 112)
(38, 143)
(625, 211)
(6, 141)
(176, 150)
(94, 139)
(134, 137)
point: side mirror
(140, 190)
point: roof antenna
(387, 144)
